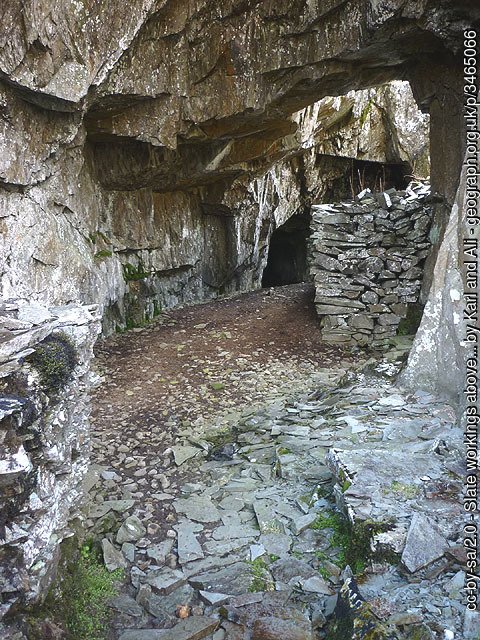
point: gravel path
(224, 439)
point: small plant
(54, 358)
(328, 520)
(407, 491)
(325, 573)
(284, 451)
(79, 601)
(346, 485)
(132, 273)
(261, 580)
(353, 543)
(105, 253)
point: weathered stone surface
(183, 453)
(198, 508)
(424, 543)
(189, 548)
(165, 580)
(138, 152)
(131, 530)
(277, 544)
(193, 628)
(126, 605)
(45, 435)
(270, 628)
(112, 557)
(437, 359)
(164, 607)
(160, 551)
(233, 580)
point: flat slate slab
(126, 604)
(234, 580)
(165, 580)
(424, 543)
(270, 628)
(163, 607)
(198, 508)
(193, 628)
(277, 544)
(266, 519)
(183, 453)
(189, 548)
(160, 551)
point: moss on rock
(54, 358)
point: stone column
(438, 89)
(437, 359)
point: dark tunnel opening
(287, 253)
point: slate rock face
(140, 126)
(44, 434)
(424, 543)
(128, 139)
(437, 359)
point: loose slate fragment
(193, 628)
(424, 543)
(189, 548)
(131, 530)
(166, 580)
(265, 517)
(113, 558)
(160, 551)
(183, 453)
(126, 604)
(198, 508)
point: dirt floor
(202, 360)
(168, 383)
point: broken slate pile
(367, 262)
(44, 437)
(247, 547)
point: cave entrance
(287, 253)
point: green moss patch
(352, 542)
(261, 579)
(54, 358)
(132, 273)
(101, 255)
(78, 601)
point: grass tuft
(78, 602)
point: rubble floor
(227, 443)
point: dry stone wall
(367, 263)
(45, 380)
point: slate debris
(243, 531)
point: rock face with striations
(45, 380)
(138, 249)
(150, 142)
(147, 151)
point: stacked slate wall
(45, 379)
(367, 264)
